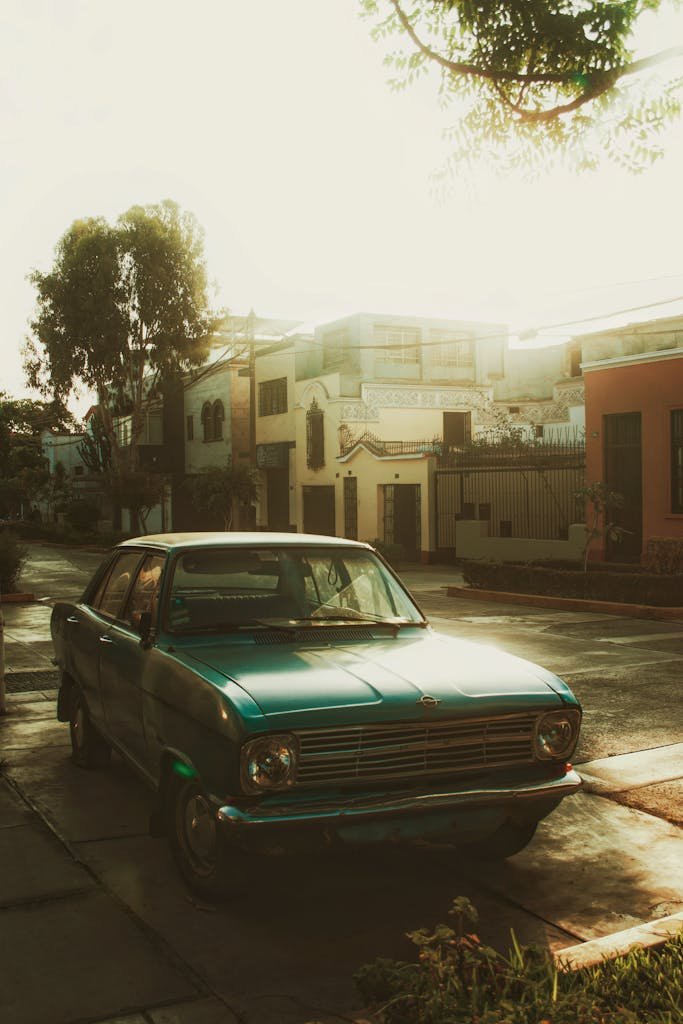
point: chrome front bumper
(364, 809)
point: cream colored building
(350, 419)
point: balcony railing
(379, 447)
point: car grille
(412, 750)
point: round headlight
(269, 763)
(556, 735)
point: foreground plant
(459, 980)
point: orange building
(634, 430)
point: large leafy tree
(219, 490)
(23, 470)
(123, 310)
(537, 78)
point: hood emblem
(428, 702)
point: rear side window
(111, 592)
(144, 597)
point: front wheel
(511, 838)
(88, 748)
(207, 864)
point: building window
(190, 428)
(452, 351)
(272, 397)
(336, 345)
(397, 344)
(677, 460)
(207, 422)
(218, 415)
(315, 437)
(351, 507)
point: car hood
(384, 678)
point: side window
(144, 597)
(110, 595)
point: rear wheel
(209, 866)
(88, 748)
(509, 839)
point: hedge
(12, 558)
(631, 587)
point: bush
(83, 515)
(631, 587)
(12, 559)
(457, 978)
(664, 555)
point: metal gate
(520, 491)
(403, 518)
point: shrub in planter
(12, 559)
(664, 555)
(627, 587)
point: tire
(209, 866)
(511, 838)
(88, 748)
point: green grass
(458, 980)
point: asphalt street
(88, 896)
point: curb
(593, 952)
(569, 604)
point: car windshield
(216, 589)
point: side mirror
(145, 627)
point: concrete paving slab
(36, 709)
(28, 696)
(82, 805)
(202, 1011)
(34, 865)
(595, 867)
(663, 799)
(23, 657)
(31, 733)
(13, 811)
(643, 768)
(614, 628)
(80, 958)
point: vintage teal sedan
(280, 691)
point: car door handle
(106, 640)
(73, 620)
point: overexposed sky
(273, 123)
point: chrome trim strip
(356, 810)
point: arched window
(315, 437)
(207, 422)
(218, 417)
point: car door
(123, 665)
(89, 627)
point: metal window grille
(315, 437)
(398, 344)
(207, 422)
(677, 460)
(218, 413)
(272, 397)
(457, 353)
(351, 507)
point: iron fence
(525, 490)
